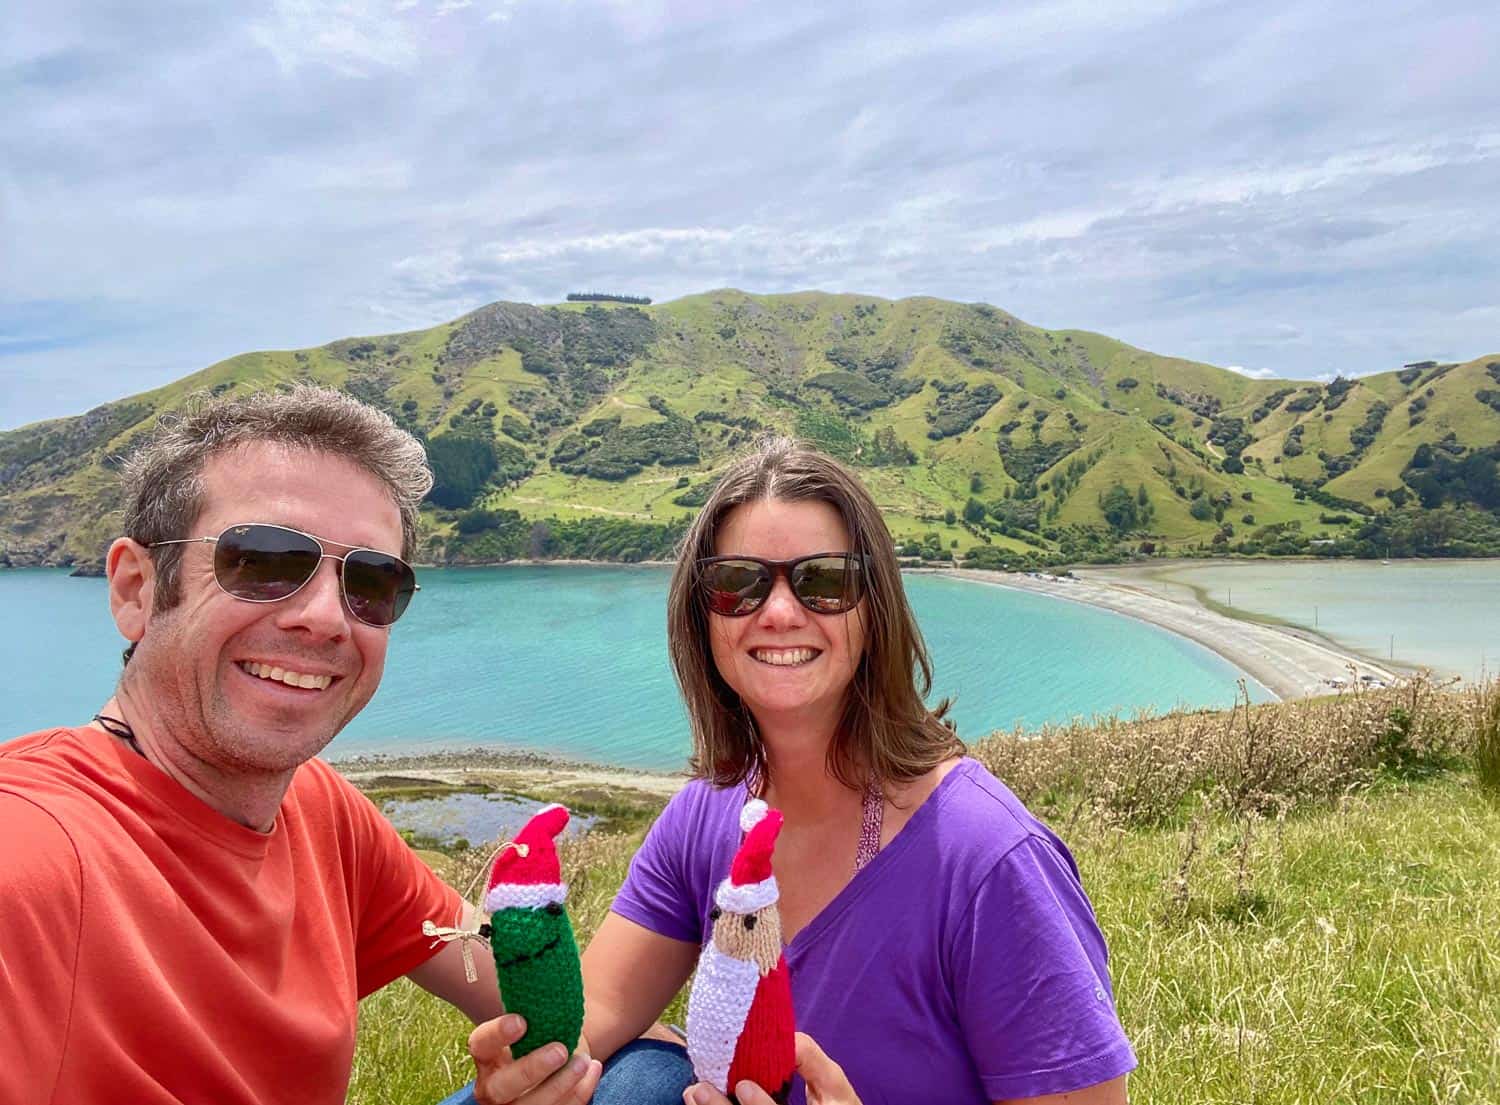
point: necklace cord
(115, 727)
(872, 818)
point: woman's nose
(781, 606)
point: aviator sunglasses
(825, 583)
(258, 562)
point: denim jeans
(643, 1072)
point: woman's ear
(132, 586)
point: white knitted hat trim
(747, 898)
(752, 814)
(511, 895)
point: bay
(1443, 615)
(572, 660)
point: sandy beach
(1288, 662)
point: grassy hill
(1300, 899)
(595, 429)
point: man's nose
(319, 606)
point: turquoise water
(1442, 615)
(572, 660)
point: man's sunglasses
(258, 562)
(825, 583)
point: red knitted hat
(751, 885)
(526, 873)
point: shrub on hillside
(1363, 435)
(955, 412)
(477, 521)
(990, 557)
(624, 451)
(601, 426)
(831, 433)
(1025, 463)
(888, 449)
(1230, 434)
(517, 429)
(851, 390)
(696, 496)
(1439, 476)
(462, 463)
(1337, 392)
(569, 448)
(1122, 510)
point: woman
(940, 944)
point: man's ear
(132, 586)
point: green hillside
(594, 429)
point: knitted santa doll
(739, 1020)
(536, 954)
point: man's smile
(301, 680)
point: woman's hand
(826, 1084)
(544, 1077)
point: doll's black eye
(554, 908)
(715, 913)
(750, 920)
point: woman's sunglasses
(264, 563)
(825, 583)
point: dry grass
(1266, 759)
(1487, 740)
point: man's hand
(545, 1077)
(826, 1084)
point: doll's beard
(722, 994)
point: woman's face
(787, 664)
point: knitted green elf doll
(536, 954)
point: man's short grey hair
(163, 480)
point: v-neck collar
(885, 859)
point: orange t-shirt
(154, 951)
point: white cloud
(485, 149)
(352, 37)
(1254, 373)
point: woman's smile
(785, 657)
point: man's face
(196, 659)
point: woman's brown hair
(886, 730)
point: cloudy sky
(1280, 186)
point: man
(193, 904)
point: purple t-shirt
(963, 964)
